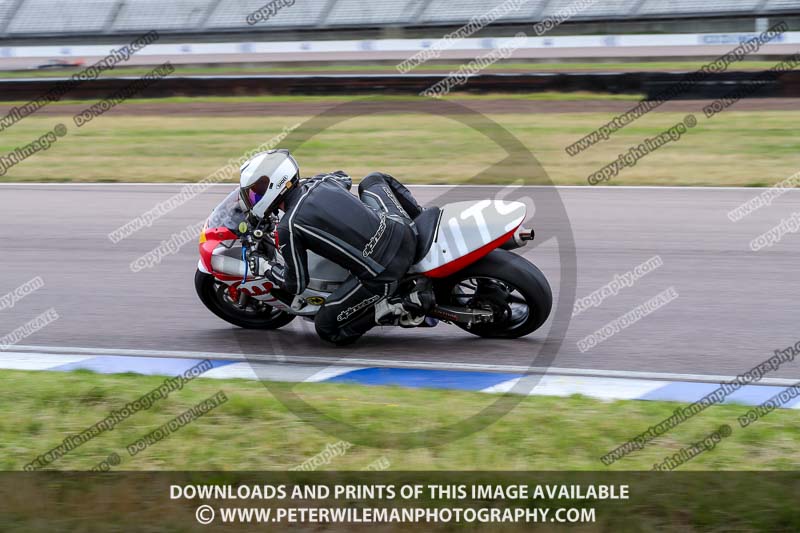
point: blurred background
(258, 68)
(359, 32)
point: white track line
(388, 363)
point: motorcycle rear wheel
(214, 295)
(510, 286)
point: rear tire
(507, 284)
(213, 295)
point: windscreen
(228, 213)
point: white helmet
(265, 180)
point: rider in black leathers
(372, 237)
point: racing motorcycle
(464, 251)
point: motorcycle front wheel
(510, 286)
(256, 315)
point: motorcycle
(464, 252)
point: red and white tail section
(468, 231)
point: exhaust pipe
(227, 265)
(519, 239)
(233, 266)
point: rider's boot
(388, 312)
(419, 302)
(407, 311)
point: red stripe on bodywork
(214, 236)
(464, 261)
(228, 277)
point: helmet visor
(255, 192)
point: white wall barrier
(395, 45)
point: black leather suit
(371, 236)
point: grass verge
(747, 148)
(254, 431)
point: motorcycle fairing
(465, 232)
(468, 231)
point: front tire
(213, 294)
(509, 285)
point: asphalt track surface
(735, 306)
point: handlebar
(257, 243)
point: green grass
(748, 148)
(183, 70)
(254, 431)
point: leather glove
(274, 273)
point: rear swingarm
(452, 313)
